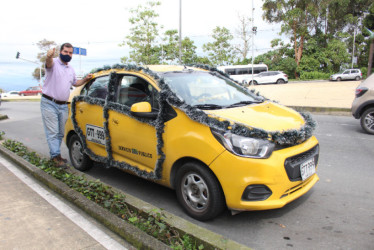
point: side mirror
(143, 109)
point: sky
(100, 26)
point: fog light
(256, 193)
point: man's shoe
(62, 159)
(59, 163)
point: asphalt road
(338, 213)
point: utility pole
(36, 62)
(180, 31)
(254, 30)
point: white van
(243, 73)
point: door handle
(115, 121)
(81, 111)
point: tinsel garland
(282, 138)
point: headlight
(245, 146)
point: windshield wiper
(242, 103)
(207, 106)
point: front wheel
(77, 156)
(199, 192)
(367, 121)
(338, 79)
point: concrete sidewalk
(319, 95)
(32, 217)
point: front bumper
(236, 174)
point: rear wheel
(77, 156)
(367, 121)
(280, 81)
(199, 192)
(358, 78)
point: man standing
(60, 76)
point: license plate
(307, 169)
(95, 134)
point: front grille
(292, 164)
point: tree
(280, 58)
(297, 18)
(144, 32)
(171, 48)
(369, 24)
(44, 45)
(220, 51)
(244, 34)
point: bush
(314, 75)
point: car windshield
(208, 90)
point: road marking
(100, 236)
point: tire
(78, 158)
(280, 81)
(367, 121)
(358, 78)
(199, 192)
(255, 83)
(338, 79)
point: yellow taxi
(195, 130)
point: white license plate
(95, 134)
(307, 169)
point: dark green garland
(282, 138)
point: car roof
(155, 68)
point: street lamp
(36, 62)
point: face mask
(65, 58)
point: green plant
(314, 75)
(152, 223)
(1, 134)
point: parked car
(196, 131)
(37, 90)
(269, 77)
(10, 94)
(363, 104)
(348, 74)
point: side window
(230, 71)
(98, 88)
(133, 89)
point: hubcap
(76, 153)
(195, 192)
(369, 121)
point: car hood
(268, 116)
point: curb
(130, 233)
(323, 110)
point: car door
(133, 140)
(263, 78)
(89, 115)
(346, 74)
